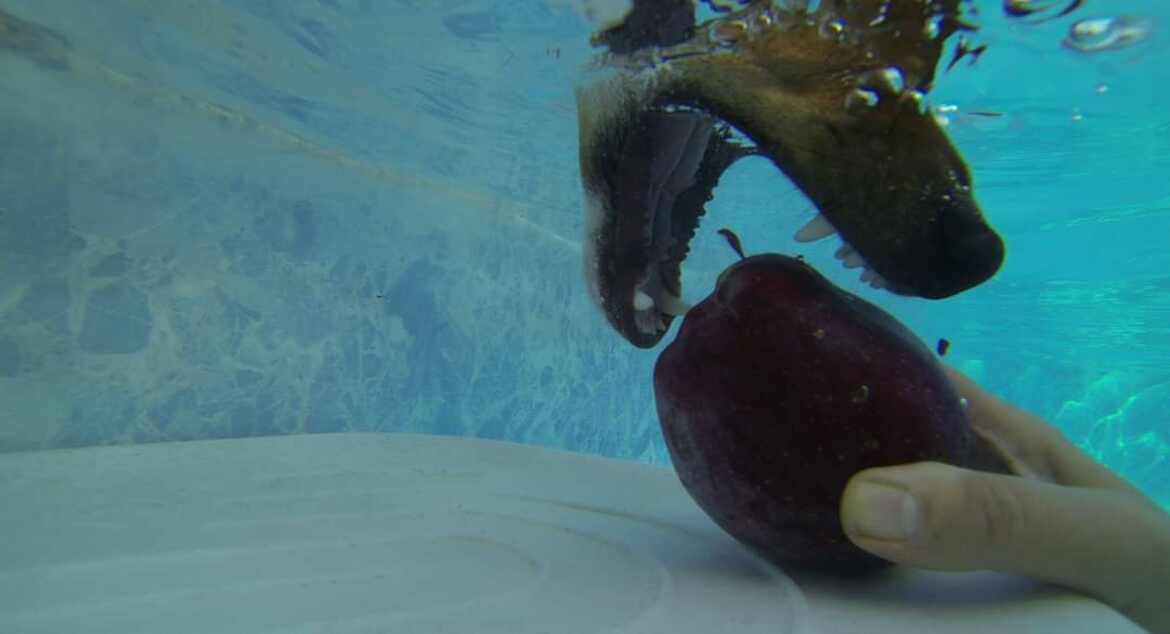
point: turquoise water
(238, 218)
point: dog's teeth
(642, 301)
(849, 256)
(868, 275)
(665, 302)
(816, 229)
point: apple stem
(733, 240)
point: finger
(1034, 447)
(936, 516)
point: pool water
(245, 217)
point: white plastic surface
(418, 534)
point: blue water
(246, 217)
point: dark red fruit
(780, 387)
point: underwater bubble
(893, 79)
(1019, 7)
(918, 98)
(886, 80)
(941, 114)
(883, 12)
(947, 115)
(1094, 35)
(933, 27)
(1026, 8)
(861, 100)
(730, 32)
(833, 29)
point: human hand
(1062, 518)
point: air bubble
(887, 80)
(894, 79)
(1025, 8)
(729, 32)
(833, 29)
(881, 16)
(918, 98)
(932, 28)
(1106, 34)
(861, 100)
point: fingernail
(883, 512)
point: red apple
(780, 387)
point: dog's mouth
(832, 96)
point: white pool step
(419, 534)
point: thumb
(931, 515)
